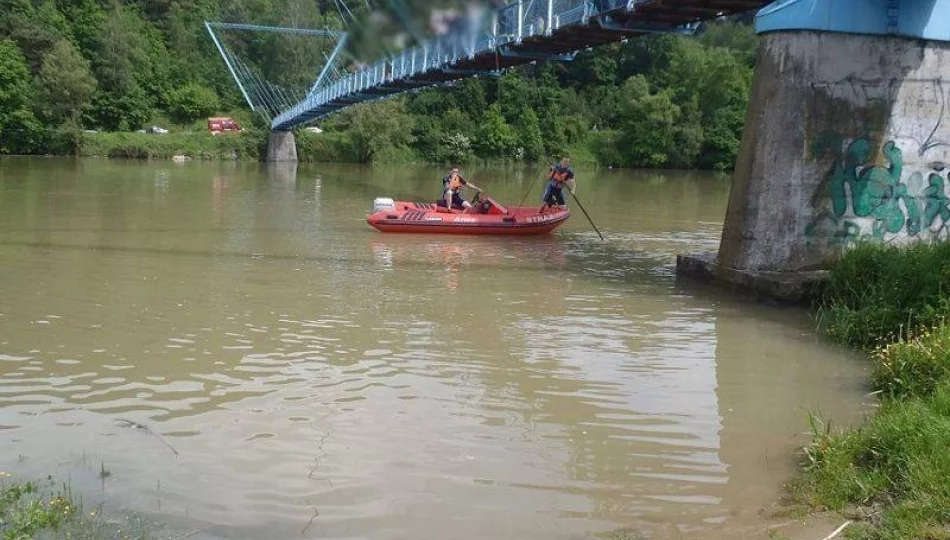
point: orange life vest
(559, 176)
(456, 182)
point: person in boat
(456, 170)
(560, 175)
(452, 186)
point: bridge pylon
(847, 140)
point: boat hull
(424, 218)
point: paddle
(581, 206)
(530, 189)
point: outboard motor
(384, 204)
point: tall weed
(878, 294)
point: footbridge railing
(490, 41)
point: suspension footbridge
(517, 33)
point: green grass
(897, 468)
(31, 510)
(876, 295)
(249, 145)
(914, 367)
(25, 510)
(198, 144)
(893, 474)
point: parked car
(223, 125)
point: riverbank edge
(890, 477)
(48, 509)
(251, 146)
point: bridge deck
(520, 33)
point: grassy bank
(328, 147)
(893, 474)
(248, 145)
(47, 510)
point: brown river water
(300, 375)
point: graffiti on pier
(869, 194)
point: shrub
(605, 146)
(326, 147)
(191, 102)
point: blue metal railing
(507, 25)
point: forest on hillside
(121, 65)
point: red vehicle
(223, 125)
(485, 217)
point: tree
(118, 51)
(131, 65)
(514, 95)
(470, 97)
(14, 77)
(724, 98)
(597, 67)
(428, 134)
(378, 126)
(722, 139)
(67, 83)
(495, 136)
(647, 56)
(529, 133)
(740, 39)
(433, 102)
(123, 111)
(36, 27)
(455, 121)
(84, 17)
(191, 102)
(19, 128)
(648, 123)
(456, 147)
(554, 128)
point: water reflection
(400, 386)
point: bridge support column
(847, 140)
(281, 146)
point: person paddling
(561, 174)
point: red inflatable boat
(485, 217)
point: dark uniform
(554, 194)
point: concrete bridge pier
(281, 147)
(847, 140)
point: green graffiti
(937, 203)
(859, 185)
(842, 174)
